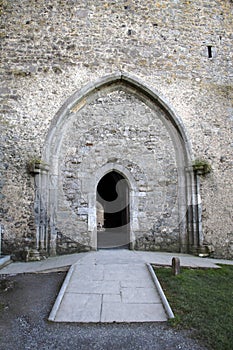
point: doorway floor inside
(112, 238)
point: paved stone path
(108, 285)
(113, 286)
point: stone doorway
(131, 120)
(112, 211)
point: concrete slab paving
(80, 308)
(123, 283)
(46, 265)
(112, 298)
(109, 285)
(136, 284)
(93, 272)
(65, 261)
(125, 272)
(92, 287)
(139, 295)
(121, 312)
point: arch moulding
(189, 201)
(133, 200)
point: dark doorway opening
(113, 211)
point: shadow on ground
(26, 301)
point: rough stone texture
(104, 130)
(50, 49)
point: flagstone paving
(109, 285)
(114, 286)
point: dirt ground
(26, 301)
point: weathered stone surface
(52, 49)
(67, 245)
(175, 266)
(119, 124)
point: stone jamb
(133, 200)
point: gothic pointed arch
(113, 82)
(70, 190)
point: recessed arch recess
(189, 201)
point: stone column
(40, 171)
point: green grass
(202, 300)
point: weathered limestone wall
(118, 128)
(50, 49)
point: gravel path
(26, 301)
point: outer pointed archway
(48, 193)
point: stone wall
(51, 49)
(120, 129)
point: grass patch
(202, 300)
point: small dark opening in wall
(210, 53)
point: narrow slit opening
(210, 54)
